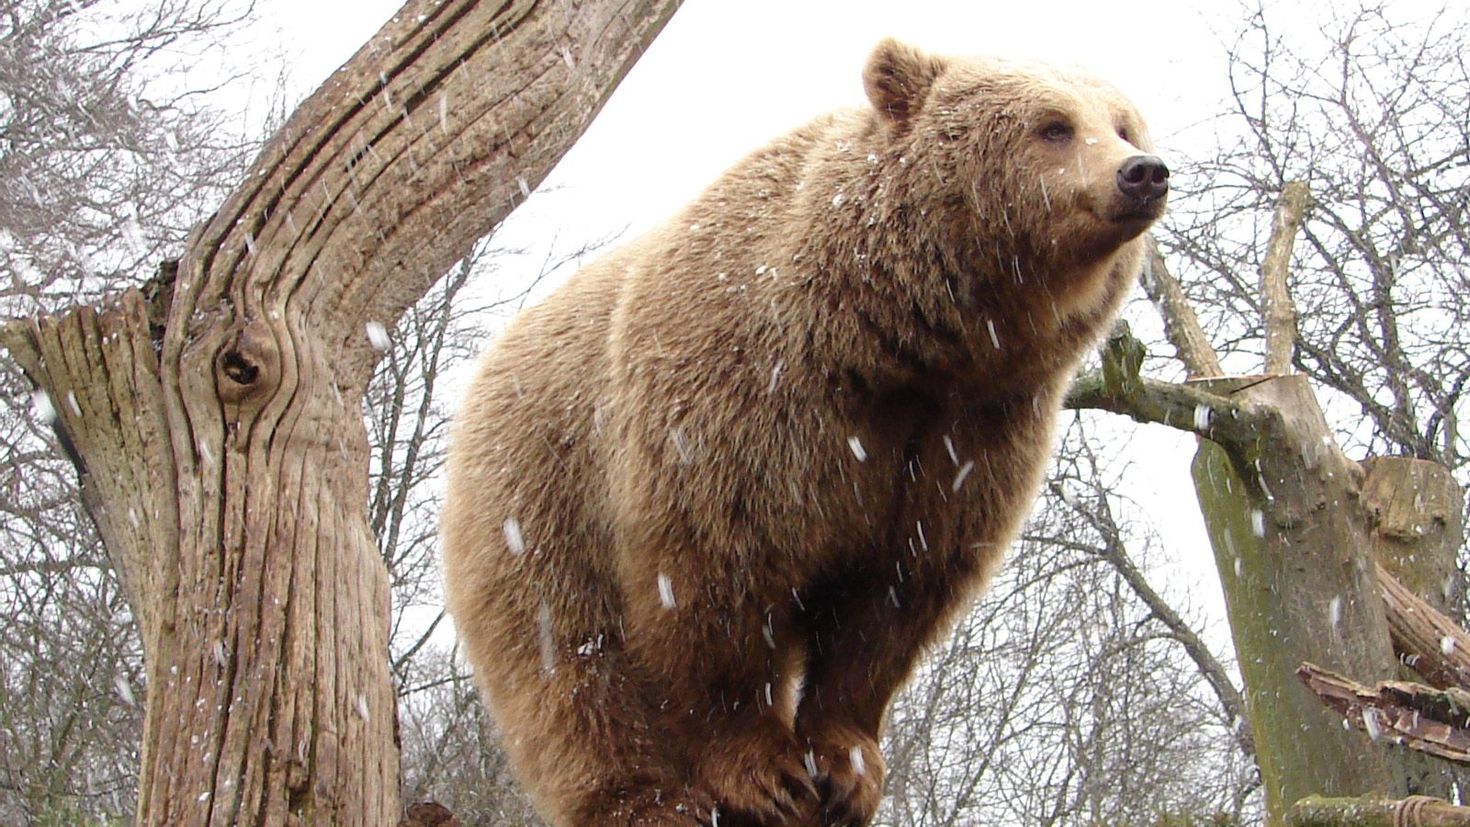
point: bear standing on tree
(710, 500)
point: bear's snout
(1143, 178)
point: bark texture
(215, 416)
(1292, 550)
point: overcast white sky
(726, 76)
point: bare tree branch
(1427, 640)
(1417, 716)
(1181, 326)
(1119, 388)
(1277, 310)
(1115, 552)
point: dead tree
(1296, 527)
(214, 413)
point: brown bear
(709, 501)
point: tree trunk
(1294, 553)
(216, 422)
(1295, 528)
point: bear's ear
(898, 78)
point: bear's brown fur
(710, 500)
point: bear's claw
(849, 777)
(758, 772)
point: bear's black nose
(1143, 177)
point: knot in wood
(248, 368)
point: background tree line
(1084, 689)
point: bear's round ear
(898, 78)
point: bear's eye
(1056, 132)
(1123, 133)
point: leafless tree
(106, 161)
(1366, 107)
(104, 165)
(1348, 131)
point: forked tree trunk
(215, 418)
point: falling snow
(362, 707)
(1370, 723)
(124, 689)
(666, 591)
(1067, 490)
(41, 407)
(1334, 611)
(962, 475)
(857, 448)
(378, 337)
(682, 446)
(810, 759)
(133, 236)
(1201, 417)
(1447, 645)
(545, 638)
(514, 540)
(855, 757)
(1258, 522)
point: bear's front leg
(866, 633)
(721, 671)
(753, 765)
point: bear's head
(1044, 170)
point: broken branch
(1278, 313)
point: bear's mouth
(1140, 212)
